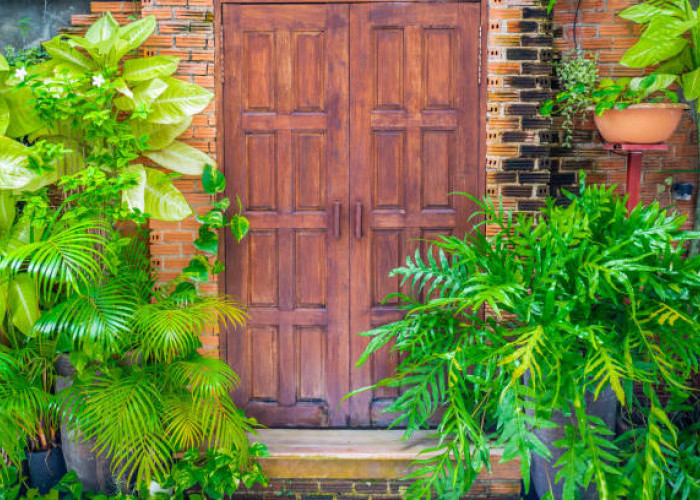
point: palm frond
(167, 330)
(70, 256)
(96, 318)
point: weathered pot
(93, 470)
(649, 123)
(543, 472)
(46, 468)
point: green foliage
(580, 297)
(72, 132)
(669, 37)
(101, 110)
(581, 90)
(214, 475)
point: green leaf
(14, 160)
(4, 116)
(208, 241)
(62, 51)
(239, 227)
(142, 69)
(162, 200)
(102, 30)
(198, 269)
(7, 210)
(160, 136)
(648, 52)
(547, 107)
(690, 82)
(641, 13)
(23, 303)
(214, 218)
(179, 101)
(141, 95)
(134, 197)
(23, 118)
(4, 68)
(213, 181)
(131, 36)
(221, 204)
(181, 158)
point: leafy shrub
(580, 297)
(74, 130)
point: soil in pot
(650, 123)
(46, 468)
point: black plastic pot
(46, 468)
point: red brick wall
(602, 32)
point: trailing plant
(580, 298)
(581, 90)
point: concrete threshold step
(367, 455)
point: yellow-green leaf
(143, 69)
(162, 200)
(182, 158)
(23, 303)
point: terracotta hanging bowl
(649, 123)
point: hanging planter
(645, 123)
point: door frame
(221, 128)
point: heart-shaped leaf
(208, 240)
(198, 269)
(239, 227)
(213, 181)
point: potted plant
(581, 299)
(629, 110)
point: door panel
(286, 94)
(347, 126)
(413, 140)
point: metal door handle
(358, 220)
(336, 220)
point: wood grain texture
(286, 109)
(347, 127)
(414, 132)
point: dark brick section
(522, 54)
(519, 164)
(357, 489)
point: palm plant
(144, 393)
(579, 298)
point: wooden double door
(346, 128)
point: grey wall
(45, 19)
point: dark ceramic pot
(46, 468)
(543, 472)
(93, 470)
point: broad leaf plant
(88, 142)
(503, 330)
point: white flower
(56, 91)
(98, 80)
(21, 73)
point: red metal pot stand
(635, 153)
